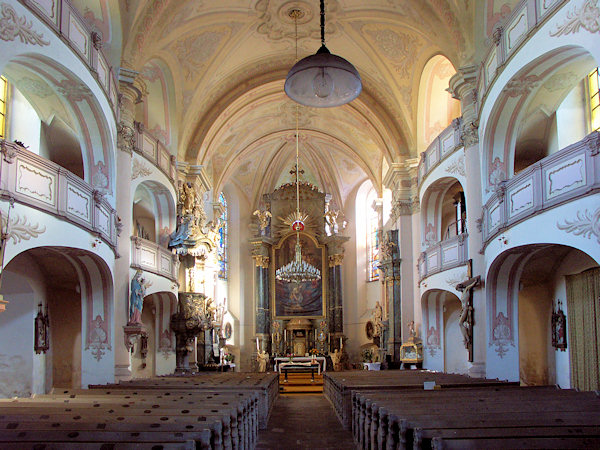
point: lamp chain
(322, 22)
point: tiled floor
(305, 421)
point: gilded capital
(336, 260)
(261, 261)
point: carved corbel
(125, 138)
(470, 133)
(9, 151)
(131, 334)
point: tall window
(222, 247)
(373, 241)
(3, 101)
(594, 84)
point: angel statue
(331, 220)
(264, 217)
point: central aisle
(304, 422)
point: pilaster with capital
(130, 92)
(335, 302)
(261, 249)
(390, 267)
(462, 86)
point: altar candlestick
(340, 343)
(257, 346)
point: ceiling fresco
(227, 61)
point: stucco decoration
(587, 225)
(73, 91)
(97, 339)
(399, 48)
(166, 343)
(588, 18)
(457, 167)
(13, 26)
(501, 334)
(35, 87)
(194, 52)
(20, 229)
(497, 173)
(561, 81)
(139, 170)
(275, 23)
(522, 85)
(100, 177)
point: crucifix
(466, 322)
(296, 172)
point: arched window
(3, 101)
(222, 246)
(594, 90)
(373, 237)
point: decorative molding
(588, 18)
(586, 225)
(139, 169)
(73, 91)
(522, 86)
(12, 26)
(501, 334)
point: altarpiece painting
(304, 299)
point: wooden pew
(338, 386)
(395, 419)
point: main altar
(301, 317)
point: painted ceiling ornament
(587, 225)
(35, 87)
(195, 52)
(399, 48)
(588, 18)
(13, 26)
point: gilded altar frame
(275, 249)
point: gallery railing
(37, 182)
(444, 255)
(524, 20)
(444, 145)
(66, 21)
(151, 148)
(564, 176)
(151, 257)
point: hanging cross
(293, 171)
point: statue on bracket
(264, 219)
(136, 297)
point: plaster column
(262, 327)
(462, 86)
(131, 89)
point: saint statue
(136, 298)
(263, 359)
(377, 320)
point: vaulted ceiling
(227, 61)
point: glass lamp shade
(323, 80)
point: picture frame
(559, 329)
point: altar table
(301, 359)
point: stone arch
(434, 205)
(154, 212)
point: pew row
(476, 418)
(338, 386)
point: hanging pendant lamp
(323, 80)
